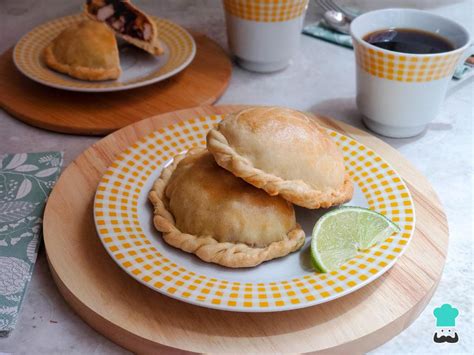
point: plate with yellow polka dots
(138, 67)
(123, 218)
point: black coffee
(407, 40)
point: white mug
(264, 35)
(398, 94)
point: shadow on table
(344, 109)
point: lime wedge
(340, 234)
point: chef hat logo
(446, 315)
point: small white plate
(139, 68)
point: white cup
(398, 94)
(264, 35)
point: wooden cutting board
(201, 83)
(145, 321)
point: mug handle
(454, 83)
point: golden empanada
(87, 50)
(203, 209)
(283, 152)
(127, 21)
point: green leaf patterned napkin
(463, 70)
(25, 183)
(320, 31)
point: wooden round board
(201, 83)
(145, 321)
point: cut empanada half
(87, 50)
(283, 152)
(203, 209)
(128, 22)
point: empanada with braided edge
(203, 209)
(283, 152)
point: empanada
(283, 152)
(127, 21)
(87, 50)
(203, 209)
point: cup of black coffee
(409, 40)
(405, 60)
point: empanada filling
(122, 17)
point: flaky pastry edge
(295, 191)
(79, 72)
(206, 247)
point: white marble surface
(321, 79)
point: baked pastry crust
(200, 208)
(124, 9)
(283, 152)
(87, 51)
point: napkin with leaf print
(25, 183)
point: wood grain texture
(201, 83)
(145, 321)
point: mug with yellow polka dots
(398, 93)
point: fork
(330, 5)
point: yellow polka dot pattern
(266, 10)
(28, 54)
(404, 67)
(116, 211)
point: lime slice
(341, 233)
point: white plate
(138, 67)
(123, 218)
